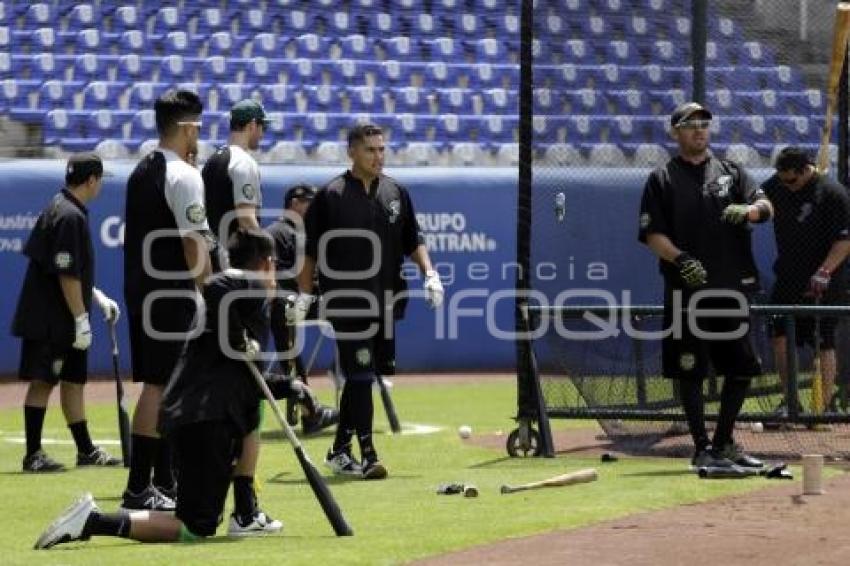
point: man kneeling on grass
(208, 406)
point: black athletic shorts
(804, 325)
(154, 359)
(204, 454)
(688, 357)
(50, 363)
(361, 357)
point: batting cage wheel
(523, 442)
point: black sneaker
(98, 457)
(342, 464)
(373, 469)
(707, 458)
(169, 492)
(322, 418)
(39, 463)
(739, 457)
(150, 499)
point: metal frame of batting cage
(525, 440)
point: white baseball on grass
(464, 431)
(757, 427)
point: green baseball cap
(246, 111)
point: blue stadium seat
(231, 93)
(15, 94)
(466, 24)
(621, 52)
(759, 102)
(486, 75)
(595, 26)
(298, 21)
(44, 66)
(780, 77)
(253, 21)
(107, 124)
(496, 129)
(503, 101)
(720, 100)
(679, 29)
(63, 127)
(39, 15)
(324, 98)
(45, 39)
(340, 23)
(722, 29)
(302, 71)
(226, 44)
(143, 94)
(320, 126)
(637, 26)
(504, 25)
(134, 68)
(278, 97)
(268, 45)
(667, 99)
(411, 100)
(607, 76)
(586, 101)
(400, 48)
(545, 128)
(5, 38)
(310, 45)
(552, 24)
(181, 43)
(102, 94)
(681, 77)
(631, 102)
(127, 18)
(754, 53)
(366, 99)
(176, 68)
(393, 72)
(263, 70)
(284, 126)
(495, 6)
(169, 19)
(547, 101)
(379, 24)
(142, 127)
(6, 65)
(92, 40)
(450, 128)
(56, 94)
(791, 129)
(212, 19)
(356, 46)
(609, 6)
(440, 74)
(577, 51)
(444, 49)
(350, 71)
(83, 16)
(663, 51)
(454, 101)
(133, 40)
(625, 129)
(489, 50)
(422, 24)
(804, 103)
(581, 130)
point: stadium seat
(393, 72)
(106, 124)
(621, 52)
(298, 21)
(804, 103)
(720, 100)
(15, 93)
(409, 127)
(89, 67)
(231, 93)
(580, 130)
(286, 151)
(283, 126)
(83, 16)
(399, 48)
(175, 68)
(351, 72)
(262, 70)
(331, 152)
(722, 29)
(496, 129)
(779, 77)
(39, 15)
(217, 68)
(324, 98)
(278, 97)
(169, 19)
(486, 75)
(320, 126)
(133, 40)
(90, 40)
(605, 155)
(356, 46)
(440, 74)
(127, 18)
(253, 21)
(62, 127)
(225, 44)
(466, 24)
(379, 24)
(650, 155)
(444, 49)
(411, 100)
(454, 101)
(365, 99)
(41, 39)
(465, 154)
(102, 94)
(134, 68)
(502, 101)
(790, 129)
(489, 50)
(632, 102)
(56, 94)
(577, 51)
(311, 46)
(546, 101)
(562, 155)
(268, 45)
(503, 24)
(585, 101)
(755, 54)
(180, 43)
(211, 20)
(422, 24)
(717, 54)
(744, 154)
(112, 150)
(681, 29)
(545, 129)
(637, 26)
(143, 94)
(340, 23)
(302, 71)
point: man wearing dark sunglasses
(695, 216)
(812, 229)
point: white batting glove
(434, 288)
(296, 311)
(110, 309)
(82, 332)
(252, 349)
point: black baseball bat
(317, 484)
(389, 406)
(123, 417)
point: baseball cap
(305, 192)
(81, 166)
(686, 110)
(246, 111)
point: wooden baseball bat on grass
(581, 476)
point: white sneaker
(342, 464)
(261, 524)
(69, 526)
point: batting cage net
(604, 77)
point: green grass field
(395, 521)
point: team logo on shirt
(725, 184)
(196, 213)
(248, 191)
(645, 219)
(687, 361)
(394, 210)
(805, 211)
(363, 356)
(62, 260)
(56, 367)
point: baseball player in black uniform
(166, 260)
(695, 216)
(52, 315)
(208, 407)
(359, 273)
(812, 228)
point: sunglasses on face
(693, 125)
(197, 123)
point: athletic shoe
(39, 462)
(739, 457)
(322, 418)
(342, 464)
(373, 470)
(150, 499)
(259, 524)
(169, 492)
(98, 457)
(706, 458)
(69, 526)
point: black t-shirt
(806, 224)
(386, 213)
(684, 202)
(207, 385)
(60, 244)
(231, 177)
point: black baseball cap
(686, 110)
(246, 111)
(304, 192)
(81, 166)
